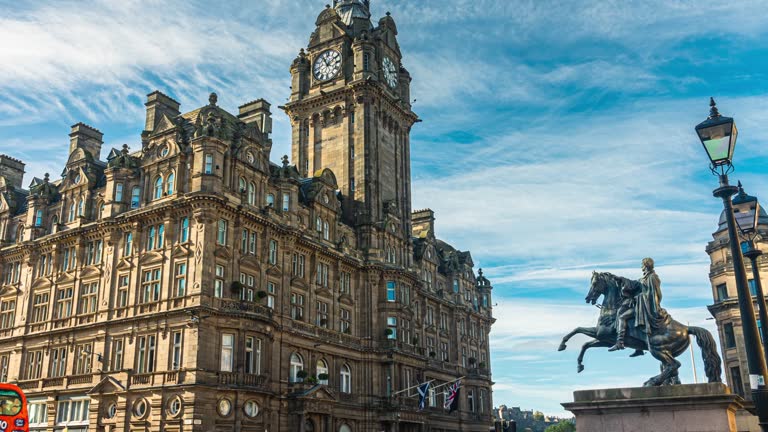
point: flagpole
(409, 388)
(449, 382)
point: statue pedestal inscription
(677, 408)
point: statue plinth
(677, 408)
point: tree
(538, 416)
(564, 426)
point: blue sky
(557, 136)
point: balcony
(239, 379)
(324, 334)
(29, 384)
(80, 379)
(86, 319)
(150, 379)
(61, 322)
(245, 308)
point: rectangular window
(221, 232)
(135, 197)
(345, 325)
(58, 366)
(227, 352)
(4, 362)
(38, 413)
(180, 284)
(736, 383)
(150, 286)
(322, 275)
(297, 306)
(39, 218)
(405, 294)
(39, 308)
(391, 293)
(432, 396)
(128, 244)
(430, 319)
(272, 252)
(366, 62)
(83, 355)
(117, 354)
(146, 355)
(344, 283)
(455, 285)
(298, 261)
(244, 242)
(155, 237)
(64, 302)
(122, 291)
(752, 287)
(208, 169)
(286, 202)
(443, 320)
(471, 400)
(392, 328)
(271, 295)
(184, 231)
(7, 313)
(252, 244)
(444, 351)
(88, 298)
(321, 318)
(73, 412)
(119, 192)
(722, 292)
(252, 355)
(34, 364)
(218, 283)
(176, 339)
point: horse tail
(709, 353)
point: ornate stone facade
(190, 284)
(725, 309)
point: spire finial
(285, 160)
(713, 113)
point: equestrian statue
(631, 316)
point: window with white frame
(321, 369)
(270, 200)
(118, 192)
(135, 197)
(297, 365)
(208, 164)
(150, 286)
(271, 290)
(252, 355)
(155, 237)
(145, 358)
(345, 321)
(83, 357)
(221, 232)
(326, 230)
(391, 291)
(128, 244)
(184, 230)
(64, 302)
(180, 281)
(344, 283)
(345, 382)
(227, 352)
(118, 345)
(286, 201)
(37, 408)
(471, 400)
(297, 306)
(72, 413)
(121, 300)
(170, 184)
(248, 282)
(321, 316)
(4, 364)
(87, 303)
(298, 261)
(273, 252)
(176, 349)
(58, 362)
(444, 351)
(218, 282)
(34, 364)
(322, 275)
(392, 328)
(251, 193)
(159, 188)
(7, 313)
(39, 307)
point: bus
(13, 409)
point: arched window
(251, 193)
(270, 200)
(272, 252)
(297, 365)
(80, 206)
(319, 224)
(345, 385)
(39, 218)
(71, 216)
(54, 224)
(241, 185)
(345, 428)
(20, 234)
(170, 180)
(135, 196)
(184, 232)
(159, 188)
(101, 211)
(326, 230)
(322, 371)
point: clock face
(249, 157)
(327, 65)
(390, 71)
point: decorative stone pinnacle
(125, 149)
(388, 14)
(480, 272)
(46, 177)
(213, 98)
(285, 160)
(713, 113)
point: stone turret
(87, 138)
(12, 170)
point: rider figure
(643, 306)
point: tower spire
(349, 10)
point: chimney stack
(257, 112)
(12, 170)
(159, 104)
(86, 138)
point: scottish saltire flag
(452, 397)
(423, 390)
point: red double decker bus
(13, 409)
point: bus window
(10, 403)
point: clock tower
(350, 112)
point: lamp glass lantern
(718, 136)
(746, 209)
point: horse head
(596, 288)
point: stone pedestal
(681, 408)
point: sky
(557, 137)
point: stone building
(726, 309)
(190, 284)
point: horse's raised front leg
(588, 345)
(589, 331)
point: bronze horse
(666, 342)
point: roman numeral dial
(327, 65)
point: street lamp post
(718, 136)
(747, 213)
